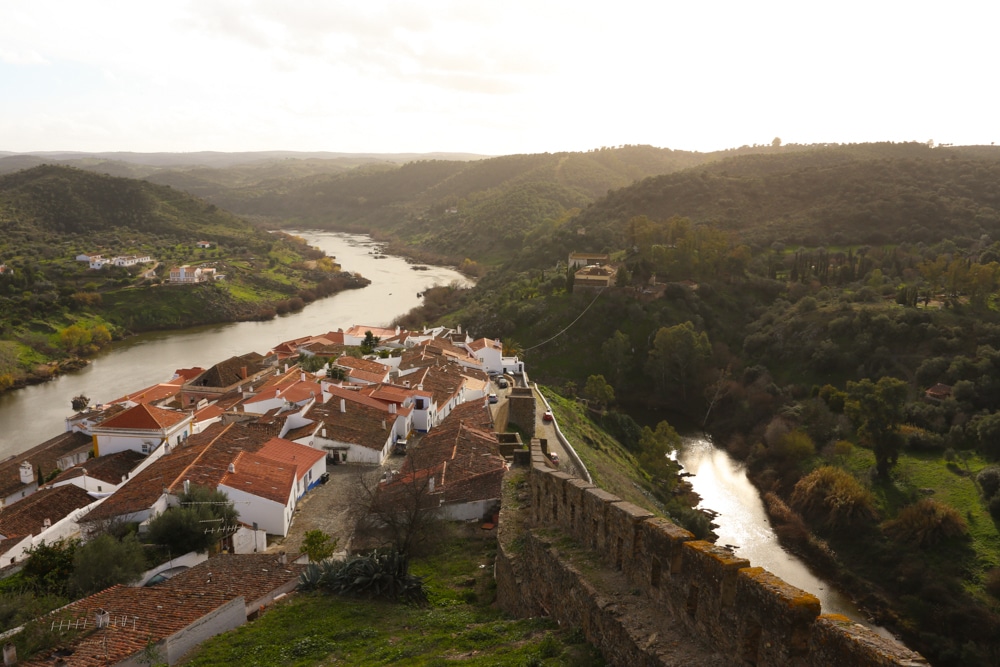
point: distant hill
(864, 193)
(482, 208)
(220, 160)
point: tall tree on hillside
(617, 354)
(877, 409)
(678, 355)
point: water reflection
(722, 483)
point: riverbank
(36, 413)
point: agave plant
(379, 574)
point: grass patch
(459, 625)
(611, 466)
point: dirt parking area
(326, 507)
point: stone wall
(521, 406)
(647, 593)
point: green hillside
(53, 307)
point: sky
(492, 78)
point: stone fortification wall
(631, 581)
(521, 405)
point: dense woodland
(828, 313)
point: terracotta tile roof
(295, 391)
(307, 431)
(111, 468)
(281, 450)
(360, 331)
(153, 394)
(138, 616)
(42, 457)
(261, 477)
(366, 365)
(229, 372)
(251, 576)
(442, 381)
(182, 375)
(27, 516)
(354, 396)
(208, 412)
(481, 343)
(462, 454)
(388, 393)
(202, 459)
(145, 417)
(142, 615)
(359, 424)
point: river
(722, 483)
(34, 414)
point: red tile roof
(287, 452)
(261, 477)
(140, 616)
(42, 457)
(28, 516)
(111, 468)
(145, 417)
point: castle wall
(743, 615)
(521, 402)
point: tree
(617, 354)
(397, 509)
(599, 391)
(202, 518)
(678, 355)
(104, 561)
(370, 342)
(49, 566)
(877, 411)
(318, 545)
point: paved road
(544, 429)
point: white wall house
(489, 353)
(142, 429)
(263, 493)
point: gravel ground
(326, 507)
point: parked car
(554, 457)
(494, 398)
(547, 417)
(502, 383)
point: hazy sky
(516, 76)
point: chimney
(46, 523)
(383, 424)
(102, 617)
(324, 431)
(243, 372)
(187, 486)
(277, 393)
(302, 376)
(392, 408)
(9, 654)
(430, 484)
(343, 405)
(232, 468)
(27, 473)
(282, 557)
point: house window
(99, 489)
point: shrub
(989, 481)
(994, 507)
(992, 583)
(834, 498)
(926, 523)
(380, 574)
